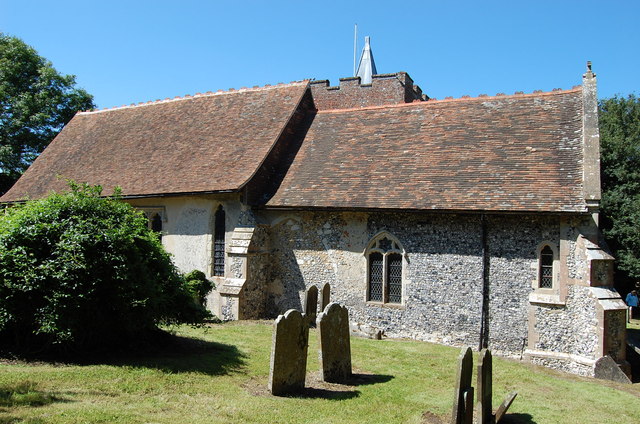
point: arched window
(156, 217)
(384, 276)
(545, 267)
(156, 223)
(218, 242)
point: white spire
(366, 67)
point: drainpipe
(486, 260)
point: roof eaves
(564, 212)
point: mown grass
(223, 379)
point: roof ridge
(196, 96)
(480, 97)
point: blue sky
(132, 51)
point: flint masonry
(462, 221)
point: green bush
(79, 271)
(198, 285)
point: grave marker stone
(463, 395)
(502, 409)
(326, 296)
(335, 345)
(484, 410)
(311, 304)
(607, 369)
(290, 341)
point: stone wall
(513, 241)
(570, 328)
(443, 271)
(272, 257)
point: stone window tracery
(384, 270)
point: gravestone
(335, 345)
(311, 304)
(463, 395)
(484, 410)
(326, 296)
(607, 369)
(289, 353)
(502, 409)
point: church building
(469, 221)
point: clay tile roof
(204, 143)
(506, 153)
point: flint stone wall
(571, 328)
(442, 281)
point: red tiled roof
(203, 143)
(505, 153)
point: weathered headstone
(607, 369)
(289, 353)
(335, 345)
(326, 296)
(463, 395)
(311, 304)
(363, 330)
(484, 410)
(502, 409)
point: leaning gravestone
(484, 410)
(502, 409)
(607, 369)
(463, 395)
(326, 296)
(289, 353)
(311, 304)
(335, 345)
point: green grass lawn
(223, 379)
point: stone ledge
(386, 305)
(534, 353)
(546, 298)
(231, 286)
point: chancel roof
(204, 143)
(503, 153)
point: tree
(79, 271)
(620, 156)
(35, 103)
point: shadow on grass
(431, 418)
(26, 393)
(163, 351)
(184, 354)
(316, 393)
(336, 391)
(517, 419)
(367, 379)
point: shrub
(198, 285)
(79, 271)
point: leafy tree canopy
(620, 155)
(79, 271)
(35, 103)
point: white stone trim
(582, 360)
